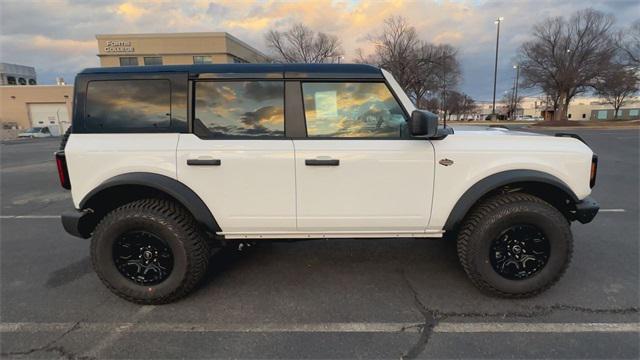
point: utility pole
(495, 70)
(515, 96)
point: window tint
(202, 59)
(128, 104)
(153, 60)
(352, 110)
(239, 108)
(128, 61)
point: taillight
(594, 170)
(63, 172)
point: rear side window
(114, 105)
(230, 109)
(352, 110)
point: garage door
(53, 115)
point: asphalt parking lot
(318, 299)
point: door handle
(204, 162)
(322, 162)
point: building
(174, 49)
(581, 108)
(23, 107)
(14, 74)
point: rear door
(237, 158)
(358, 170)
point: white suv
(166, 162)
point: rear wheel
(514, 245)
(149, 251)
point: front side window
(152, 60)
(352, 110)
(128, 104)
(239, 109)
(128, 61)
(202, 60)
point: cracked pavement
(46, 278)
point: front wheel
(149, 251)
(515, 245)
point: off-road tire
(486, 220)
(170, 222)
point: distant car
(528, 118)
(35, 132)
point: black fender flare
(172, 187)
(495, 181)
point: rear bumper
(78, 223)
(586, 210)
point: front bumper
(78, 223)
(586, 210)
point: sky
(58, 37)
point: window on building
(239, 109)
(584, 116)
(569, 116)
(32, 82)
(634, 112)
(352, 110)
(153, 60)
(237, 60)
(22, 81)
(602, 114)
(129, 61)
(202, 59)
(11, 80)
(114, 105)
(619, 113)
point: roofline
(150, 35)
(326, 71)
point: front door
(358, 170)
(237, 158)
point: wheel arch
(543, 185)
(128, 187)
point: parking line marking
(117, 329)
(29, 216)
(613, 210)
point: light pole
(515, 95)
(495, 69)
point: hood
(490, 131)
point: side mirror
(423, 123)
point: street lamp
(515, 92)
(495, 70)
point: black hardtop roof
(303, 70)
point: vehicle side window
(352, 110)
(125, 105)
(227, 109)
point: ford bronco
(165, 163)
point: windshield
(34, 130)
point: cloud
(467, 24)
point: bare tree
(511, 104)
(616, 85)
(300, 44)
(628, 43)
(566, 56)
(421, 68)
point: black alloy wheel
(143, 257)
(519, 252)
